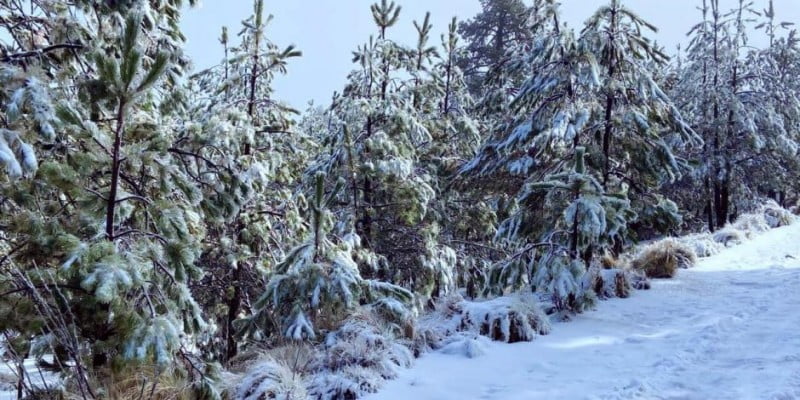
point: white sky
(326, 31)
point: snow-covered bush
(467, 344)
(662, 259)
(363, 341)
(607, 283)
(349, 382)
(357, 358)
(729, 236)
(769, 215)
(510, 319)
(513, 318)
(703, 244)
(752, 224)
(775, 215)
(268, 378)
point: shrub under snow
(729, 236)
(613, 282)
(769, 215)
(514, 318)
(703, 244)
(357, 359)
(752, 224)
(269, 378)
(777, 216)
(353, 361)
(467, 344)
(662, 259)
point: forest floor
(727, 329)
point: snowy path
(727, 329)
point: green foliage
(319, 279)
(150, 219)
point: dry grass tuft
(608, 261)
(751, 224)
(777, 216)
(729, 236)
(663, 258)
(139, 381)
(609, 283)
(266, 378)
(703, 244)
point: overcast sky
(326, 31)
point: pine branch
(140, 232)
(10, 253)
(43, 286)
(273, 213)
(134, 197)
(38, 52)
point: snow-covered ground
(727, 329)
(38, 378)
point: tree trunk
(235, 302)
(607, 140)
(115, 167)
(609, 106)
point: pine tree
(730, 94)
(580, 93)
(319, 280)
(378, 132)
(492, 36)
(242, 147)
(103, 225)
(778, 102)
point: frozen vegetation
(528, 208)
(723, 329)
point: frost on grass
(729, 236)
(357, 359)
(752, 224)
(703, 244)
(515, 318)
(466, 344)
(614, 282)
(663, 258)
(269, 378)
(775, 215)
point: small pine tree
(318, 282)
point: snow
(38, 378)
(726, 329)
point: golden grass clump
(608, 261)
(663, 258)
(136, 381)
(608, 283)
